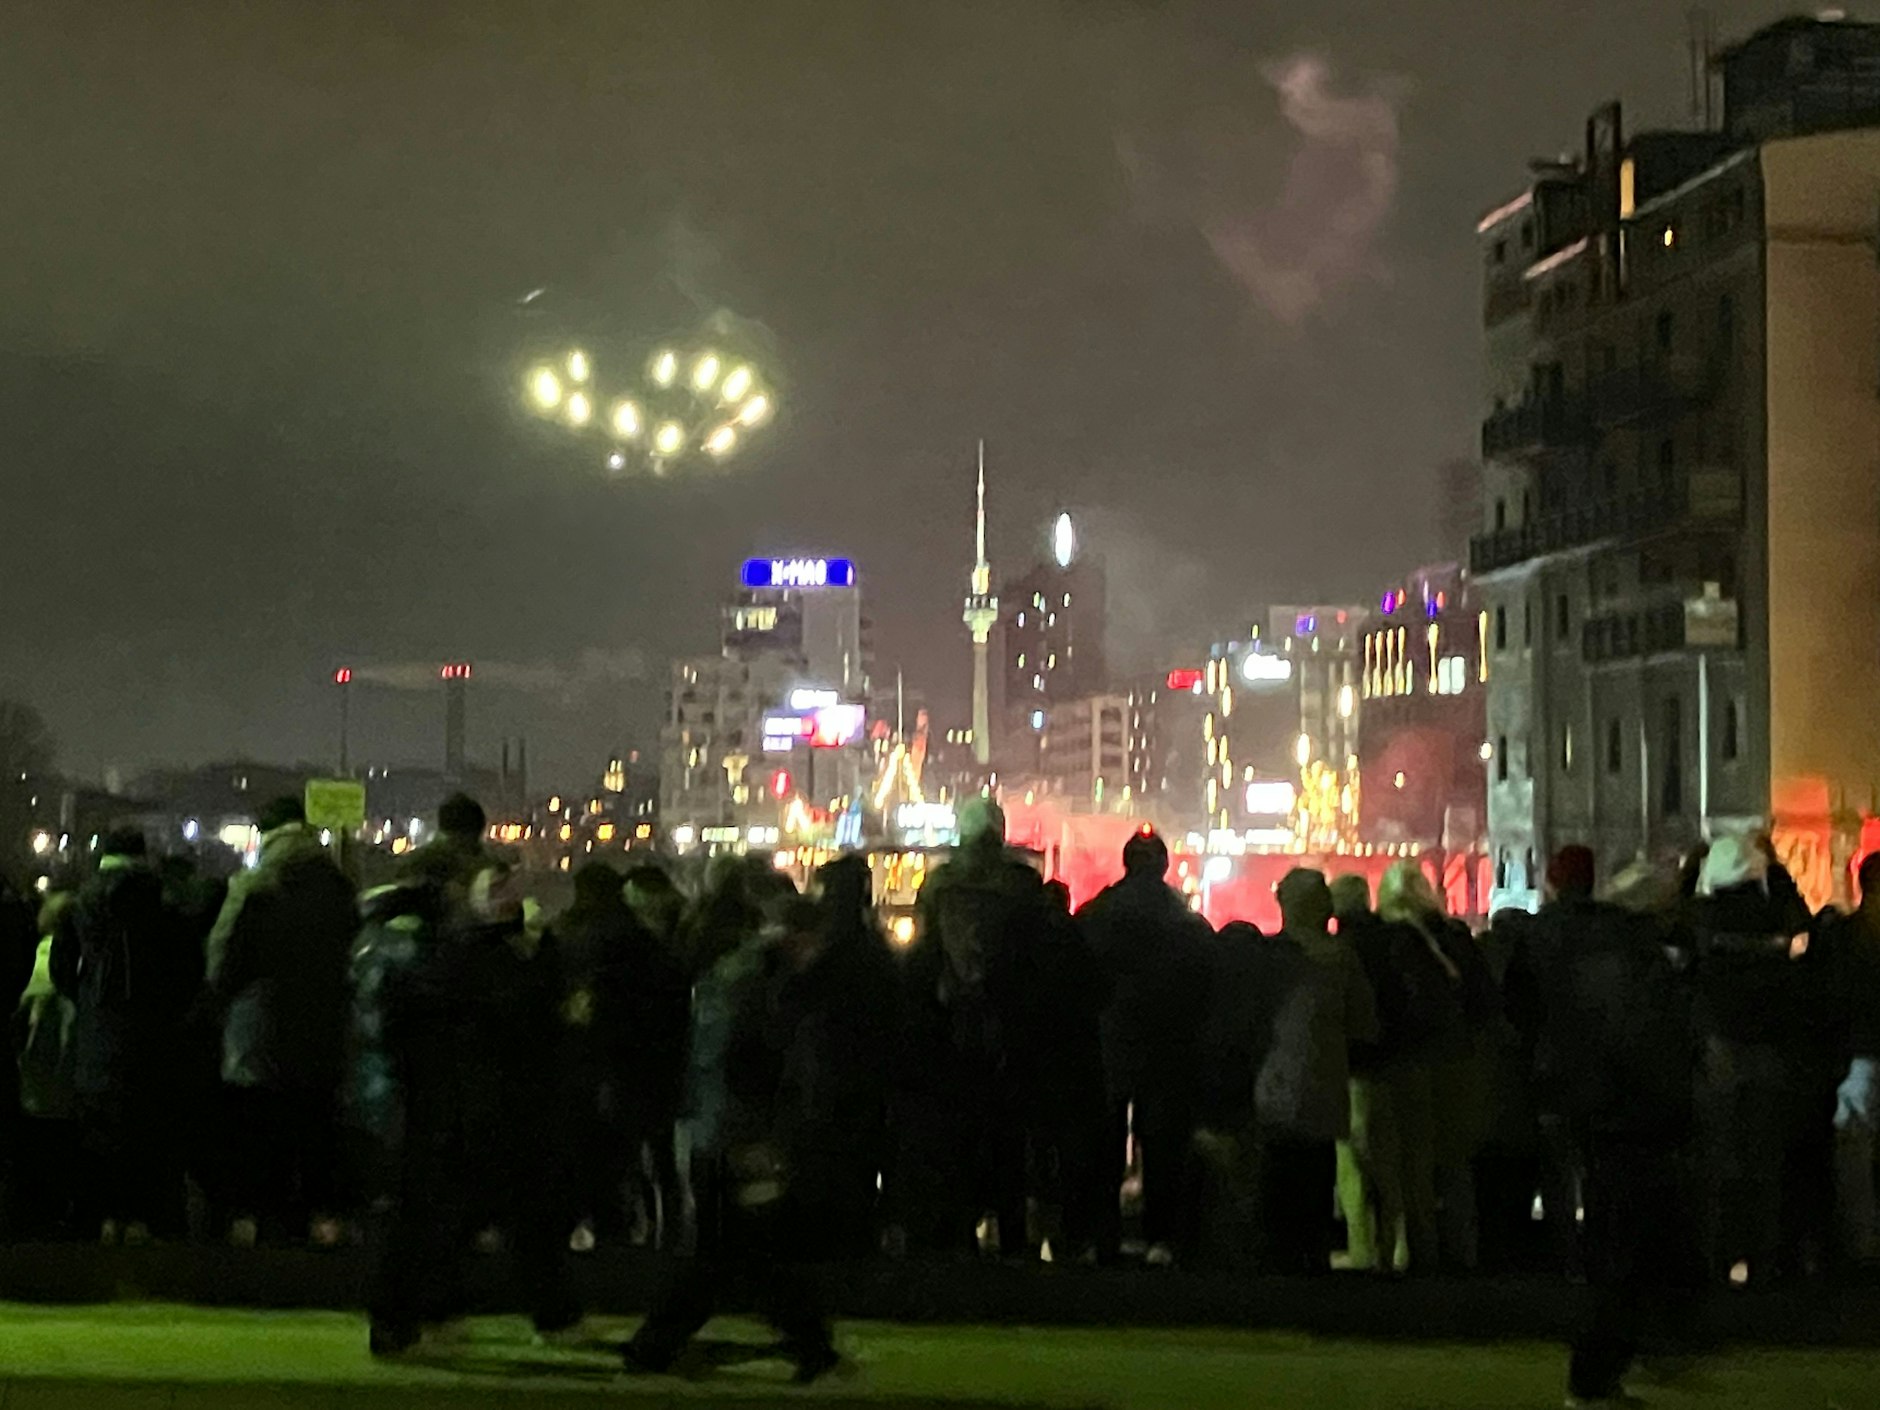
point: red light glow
(456, 671)
(343, 676)
(1184, 678)
(780, 783)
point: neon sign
(1255, 667)
(797, 573)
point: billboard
(797, 573)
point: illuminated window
(1021, 660)
(1037, 682)
(1670, 237)
(1051, 663)
(1566, 749)
(1067, 599)
(1628, 188)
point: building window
(1527, 622)
(1671, 794)
(1732, 745)
(1527, 234)
(1501, 515)
(1566, 749)
(1501, 758)
(1666, 328)
(1527, 513)
(1667, 465)
(1501, 252)
(1615, 746)
(1501, 627)
(1563, 617)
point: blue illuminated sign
(797, 573)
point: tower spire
(979, 556)
(982, 612)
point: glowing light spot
(754, 410)
(627, 420)
(669, 437)
(665, 368)
(721, 441)
(579, 408)
(545, 387)
(578, 365)
(737, 383)
(705, 372)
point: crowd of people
(1665, 1083)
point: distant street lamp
(699, 401)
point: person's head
(596, 886)
(652, 897)
(847, 887)
(283, 812)
(124, 841)
(1407, 895)
(1733, 862)
(1305, 901)
(982, 823)
(460, 816)
(1868, 879)
(799, 924)
(1571, 874)
(1351, 895)
(1145, 854)
(1057, 895)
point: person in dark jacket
(1155, 952)
(1854, 945)
(18, 944)
(977, 915)
(851, 1036)
(468, 1025)
(1751, 992)
(118, 956)
(277, 965)
(753, 1111)
(1616, 1056)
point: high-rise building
(1051, 630)
(1422, 721)
(769, 736)
(1680, 546)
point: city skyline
(288, 366)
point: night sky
(1204, 272)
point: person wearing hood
(277, 963)
(459, 852)
(118, 954)
(1751, 992)
(977, 915)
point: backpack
(42, 1044)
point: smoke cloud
(591, 671)
(1292, 213)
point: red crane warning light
(455, 671)
(343, 676)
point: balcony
(1712, 498)
(1653, 390)
(1708, 620)
(1535, 425)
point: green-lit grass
(242, 1351)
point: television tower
(982, 610)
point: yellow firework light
(737, 383)
(545, 387)
(669, 437)
(627, 420)
(754, 410)
(578, 365)
(579, 408)
(665, 368)
(705, 372)
(722, 441)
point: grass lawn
(55, 1356)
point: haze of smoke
(592, 670)
(1316, 232)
